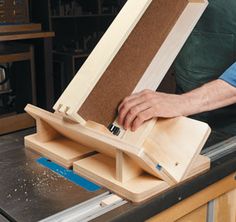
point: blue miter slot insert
(69, 175)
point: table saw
(159, 172)
(31, 192)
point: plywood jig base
(61, 150)
(102, 170)
(161, 153)
(136, 173)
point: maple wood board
(95, 140)
(130, 63)
(144, 36)
(225, 207)
(197, 215)
(100, 58)
(175, 144)
(31, 27)
(101, 169)
(14, 122)
(157, 159)
(60, 150)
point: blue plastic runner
(69, 175)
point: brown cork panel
(130, 63)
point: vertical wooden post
(126, 168)
(45, 132)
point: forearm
(213, 95)
(140, 107)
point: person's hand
(143, 106)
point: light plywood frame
(69, 143)
(162, 61)
(64, 146)
(70, 101)
(83, 92)
(108, 144)
(84, 95)
(136, 189)
(171, 47)
(159, 155)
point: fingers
(136, 109)
(127, 107)
(133, 112)
(144, 93)
(127, 99)
(141, 118)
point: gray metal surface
(210, 211)
(218, 146)
(221, 149)
(86, 211)
(3, 219)
(28, 191)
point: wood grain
(88, 137)
(126, 168)
(198, 215)
(169, 145)
(20, 36)
(197, 200)
(126, 69)
(225, 207)
(135, 53)
(148, 157)
(100, 58)
(102, 170)
(15, 122)
(20, 28)
(60, 150)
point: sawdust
(39, 183)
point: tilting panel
(134, 54)
(143, 34)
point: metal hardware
(86, 211)
(220, 150)
(114, 129)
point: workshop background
(43, 57)
(48, 41)
(43, 43)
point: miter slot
(89, 209)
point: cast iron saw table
(30, 192)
